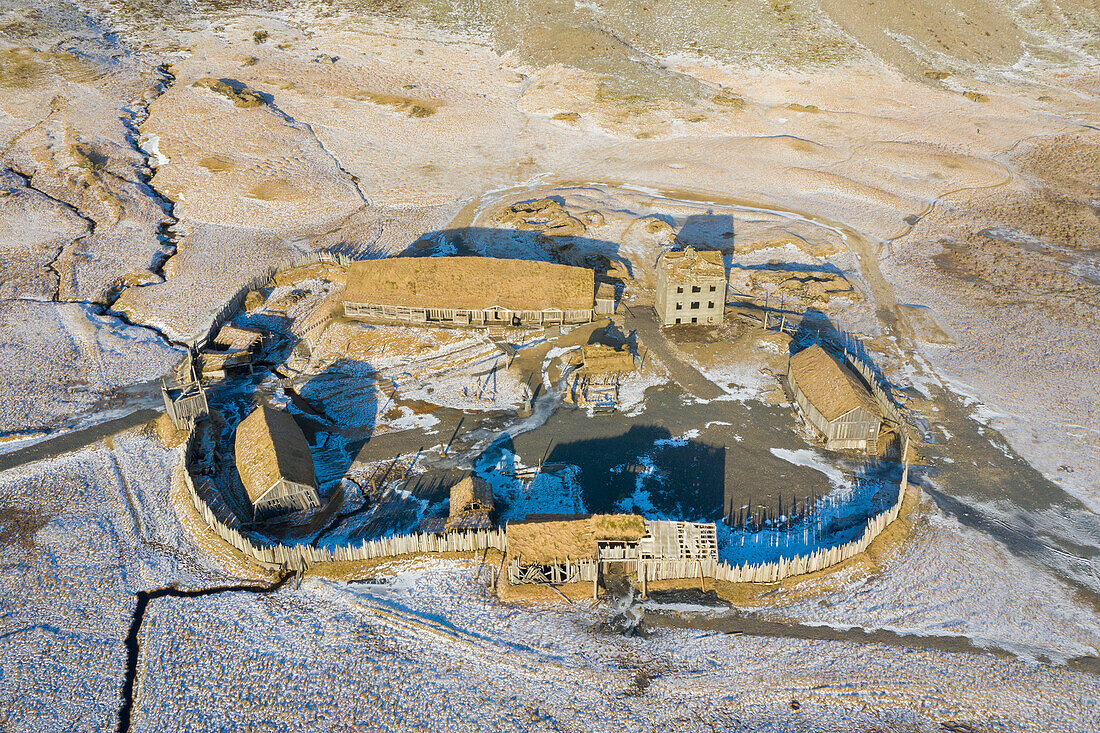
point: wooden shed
(471, 504)
(275, 463)
(833, 400)
(469, 291)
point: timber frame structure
(667, 549)
(184, 396)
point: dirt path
(77, 439)
(642, 322)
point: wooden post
(645, 577)
(596, 581)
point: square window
(679, 306)
(713, 288)
(710, 304)
(694, 320)
(695, 305)
(679, 290)
(677, 320)
(696, 289)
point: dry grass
(470, 283)
(167, 433)
(228, 558)
(351, 570)
(537, 541)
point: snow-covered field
(155, 157)
(430, 649)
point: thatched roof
(829, 386)
(599, 359)
(690, 263)
(269, 446)
(543, 540)
(470, 283)
(236, 338)
(471, 493)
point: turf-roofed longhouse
(469, 291)
(833, 400)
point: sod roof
(549, 539)
(829, 386)
(471, 283)
(599, 359)
(690, 263)
(270, 446)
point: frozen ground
(430, 646)
(945, 169)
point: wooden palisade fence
(299, 557)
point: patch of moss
(259, 36)
(244, 98)
(729, 98)
(566, 117)
(935, 75)
(976, 96)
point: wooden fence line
(299, 557)
(261, 280)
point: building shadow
(646, 471)
(707, 231)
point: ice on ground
(810, 458)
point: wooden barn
(469, 291)
(555, 549)
(833, 400)
(275, 464)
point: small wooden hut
(275, 463)
(596, 381)
(233, 346)
(605, 299)
(833, 400)
(471, 504)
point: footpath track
(76, 439)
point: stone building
(275, 463)
(833, 400)
(691, 287)
(469, 291)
